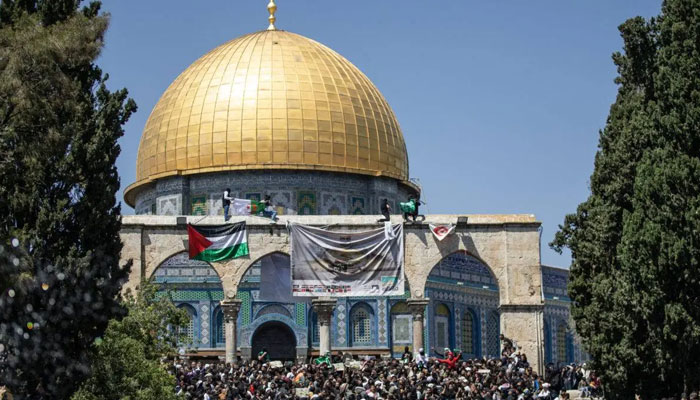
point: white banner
(441, 231)
(342, 264)
(240, 207)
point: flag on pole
(247, 207)
(218, 243)
(441, 231)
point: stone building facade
(483, 280)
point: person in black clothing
(226, 202)
(385, 208)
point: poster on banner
(276, 364)
(343, 264)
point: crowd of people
(414, 376)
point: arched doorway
(265, 291)
(277, 338)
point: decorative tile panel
(170, 205)
(381, 321)
(357, 205)
(333, 204)
(198, 204)
(306, 202)
(300, 313)
(253, 196)
(245, 313)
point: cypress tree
(59, 126)
(635, 242)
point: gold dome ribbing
(271, 100)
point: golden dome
(271, 100)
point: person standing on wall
(385, 209)
(226, 202)
(269, 210)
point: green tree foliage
(127, 362)
(59, 126)
(635, 242)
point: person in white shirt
(421, 359)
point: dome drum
(292, 192)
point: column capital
(230, 308)
(324, 306)
(417, 307)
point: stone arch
(236, 269)
(460, 282)
(197, 284)
(471, 257)
(273, 309)
(182, 257)
(423, 252)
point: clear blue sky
(500, 101)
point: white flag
(441, 231)
(241, 207)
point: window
(186, 333)
(493, 331)
(361, 325)
(442, 326)
(401, 327)
(561, 343)
(468, 332)
(315, 328)
(219, 336)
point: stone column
(523, 323)
(417, 307)
(323, 306)
(230, 308)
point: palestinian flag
(247, 207)
(218, 243)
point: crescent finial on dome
(272, 8)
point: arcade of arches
(460, 293)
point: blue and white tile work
(462, 312)
(195, 287)
(292, 192)
(561, 344)
(458, 284)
